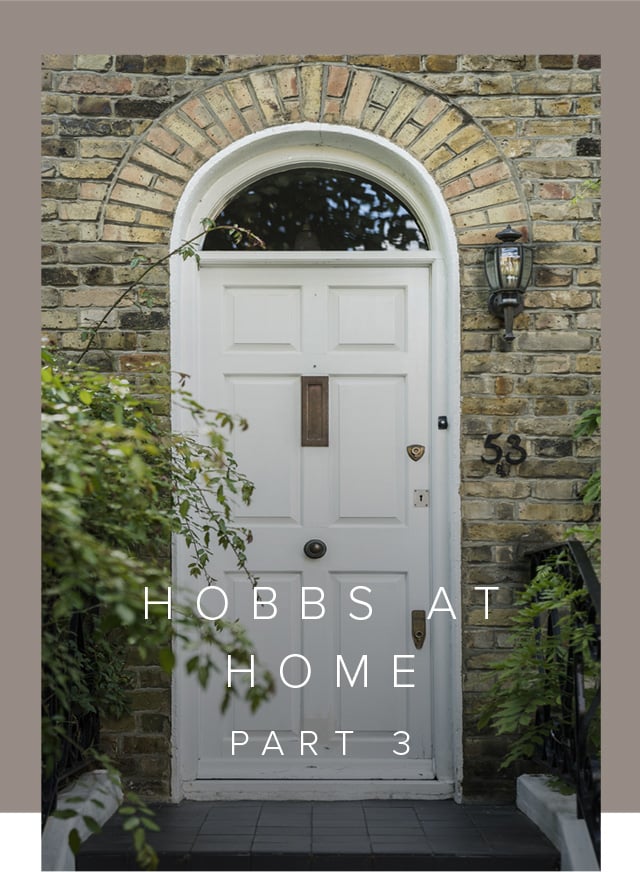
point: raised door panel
(369, 432)
(268, 452)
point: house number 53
(514, 456)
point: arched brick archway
(476, 181)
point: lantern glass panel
(491, 267)
(527, 265)
(510, 262)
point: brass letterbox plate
(315, 411)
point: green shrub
(116, 487)
(533, 675)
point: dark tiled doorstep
(340, 829)
(354, 835)
(283, 847)
(332, 862)
(226, 862)
(280, 862)
(222, 845)
(217, 830)
(338, 823)
(356, 845)
(382, 828)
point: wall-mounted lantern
(508, 270)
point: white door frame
(364, 153)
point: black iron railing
(81, 727)
(570, 750)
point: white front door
(360, 704)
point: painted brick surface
(508, 138)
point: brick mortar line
(232, 102)
(216, 120)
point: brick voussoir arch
(477, 182)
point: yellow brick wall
(509, 138)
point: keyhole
(420, 498)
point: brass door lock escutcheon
(418, 627)
(415, 452)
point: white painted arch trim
(338, 146)
(314, 144)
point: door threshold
(325, 789)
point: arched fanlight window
(315, 208)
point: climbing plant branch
(186, 250)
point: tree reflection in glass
(314, 208)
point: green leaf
(167, 659)
(150, 825)
(138, 839)
(131, 823)
(91, 823)
(138, 466)
(125, 612)
(74, 841)
(64, 813)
